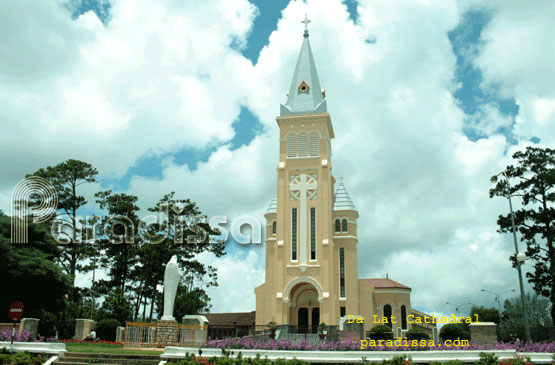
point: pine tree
(532, 178)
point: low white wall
(357, 356)
(42, 347)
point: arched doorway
(304, 308)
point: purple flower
(352, 345)
(23, 336)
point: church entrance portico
(304, 309)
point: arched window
(337, 225)
(274, 227)
(314, 144)
(344, 226)
(341, 272)
(291, 145)
(404, 317)
(387, 314)
(399, 333)
(303, 145)
(294, 234)
(313, 233)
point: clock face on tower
(303, 186)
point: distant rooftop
(383, 283)
(231, 319)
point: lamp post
(457, 306)
(497, 295)
(520, 257)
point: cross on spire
(305, 22)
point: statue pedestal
(483, 333)
(166, 335)
(83, 327)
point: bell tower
(306, 272)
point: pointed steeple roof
(342, 199)
(305, 94)
(272, 208)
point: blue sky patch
(264, 24)
(100, 7)
(352, 9)
(465, 40)
(151, 166)
(246, 127)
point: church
(311, 228)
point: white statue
(171, 279)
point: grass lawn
(106, 349)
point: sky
(428, 100)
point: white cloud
(235, 292)
(517, 57)
(156, 78)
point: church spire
(305, 95)
(342, 199)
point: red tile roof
(382, 283)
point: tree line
(43, 272)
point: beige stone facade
(311, 227)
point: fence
(139, 335)
(234, 330)
(145, 335)
(191, 335)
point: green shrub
(398, 360)
(237, 359)
(106, 329)
(47, 324)
(417, 334)
(453, 331)
(449, 362)
(381, 332)
(487, 359)
(21, 358)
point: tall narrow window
(344, 225)
(342, 311)
(274, 227)
(303, 145)
(291, 145)
(313, 233)
(404, 317)
(337, 225)
(387, 312)
(314, 144)
(342, 272)
(294, 234)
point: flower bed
(303, 345)
(23, 336)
